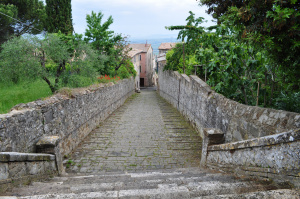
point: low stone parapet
(71, 116)
(22, 168)
(256, 142)
(274, 157)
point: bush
(75, 81)
(288, 102)
(107, 79)
(123, 72)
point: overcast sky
(140, 19)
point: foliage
(123, 73)
(108, 44)
(126, 70)
(107, 79)
(67, 61)
(59, 16)
(101, 38)
(289, 102)
(273, 25)
(233, 66)
(129, 67)
(12, 66)
(29, 13)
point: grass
(22, 93)
(25, 92)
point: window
(140, 69)
(140, 57)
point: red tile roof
(133, 52)
(166, 46)
(143, 47)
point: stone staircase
(175, 183)
(150, 153)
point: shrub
(107, 79)
(123, 72)
(75, 81)
(288, 102)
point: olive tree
(56, 59)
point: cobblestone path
(146, 133)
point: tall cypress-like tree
(29, 13)
(59, 16)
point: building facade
(146, 63)
(135, 55)
(163, 49)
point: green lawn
(22, 93)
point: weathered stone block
(4, 174)
(35, 168)
(38, 157)
(14, 156)
(16, 169)
(47, 144)
(211, 136)
(4, 157)
(215, 136)
(48, 116)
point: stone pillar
(51, 145)
(211, 136)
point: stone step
(104, 185)
(272, 194)
(171, 192)
(169, 177)
(178, 183)
(192, 183)
(119, 181)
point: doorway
(142, 82)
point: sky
(139, 19)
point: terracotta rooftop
(166, 46)
(143, 47)
(133, 52)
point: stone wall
(245, 140)
(22, 168)
(71, 117)
(205, 108)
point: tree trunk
(43, 61)
(257, 96)
(60, 69)
(49, 84)
(245, 95)
(272, 91)
(265, 90)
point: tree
(58, 59)
(272, 23)
(59, 16)
(30, 15)
(233, 66)
(182, 58)
(104, 41)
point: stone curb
(285, 137)
(23, 157)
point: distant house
(146, 63)
(134, 54)
(163, 49)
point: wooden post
(205, 74)
(257, 93)
(196, 68)
(183, 60)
